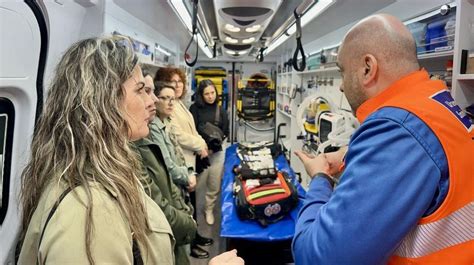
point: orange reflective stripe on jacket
(447, 235)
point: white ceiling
(159, 15)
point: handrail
(299, 45)
(194, 33)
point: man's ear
(370, 69)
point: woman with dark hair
(192, 144)
(212, 123)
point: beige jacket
(183, 127)
(64, 237)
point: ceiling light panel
(253, 28)
(231, 52)
(249, 40)
(231, 28)
(249, 16)
(231, 40)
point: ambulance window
(7, 115)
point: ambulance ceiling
(268, 16)
(262, 18)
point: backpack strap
(50, 215)
(137, 257)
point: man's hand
(314, 164)
(191, 182)
(227, 258)
(335, 160)
(330, 163)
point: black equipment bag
(265, 200)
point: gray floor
(205, 229)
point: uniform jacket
(182, 122)
(399, 185)
(64, 237)
(445, 236)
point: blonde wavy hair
(81, 136)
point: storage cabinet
(439, 55)
(463, 84)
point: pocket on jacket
(159, 224)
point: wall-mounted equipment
(324, 126)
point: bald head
(387, 39)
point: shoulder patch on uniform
(444, 98)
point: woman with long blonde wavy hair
(81, 197)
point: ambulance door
(23, 50)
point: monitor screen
(325, 127)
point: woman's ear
(370, 69)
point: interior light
(291, 29)
(231, 28)
(315, 10)
(253, 28)
(243, 52)
(182, 12)
(231, 40)
(203, 46)
(312, 13)
(249, 40)
(230, 52)
(276, 43)
(163, 50)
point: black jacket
(204, 113)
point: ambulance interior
(273, 63)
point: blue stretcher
(233, 227)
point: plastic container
(314, 61)
(436, 34)
(450, 30)
(418, 30)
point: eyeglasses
(167, 99)
(176, 83)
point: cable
(194, 33)
(299, 46)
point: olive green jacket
(160, 187)
(64, 237)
